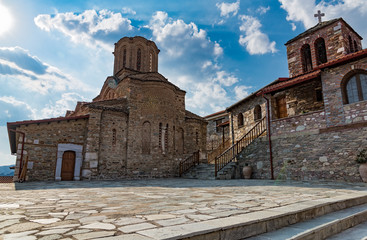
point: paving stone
(20, 235)
(136, 227)
(159, 217)
(78, 231)
(128, 221)
(22, 227)
(92, 235)
(173, 221)
(10, 205)
(8, 223)
(54, 231)
(8, 217)
(91, 219)
(128, 237)
(99, 225)
(51, 237)
(46, 220)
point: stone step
(252, 224)
(358, 232)
(321, 227)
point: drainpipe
(269, 136)
(21, 154)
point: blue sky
(55, 53)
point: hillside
(5, 171)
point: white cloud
(241, 92)
(59, 108)
(294, 27)
(5, 157)
(178, 37)
(31, 74)
(303, 11)
(127, 10)
(89, 27)
(262, 10)
(15, 103)
(225, 78)
(218, 50)
(228, 8)
(255, 41)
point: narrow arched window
(124, 58)
(306, 58)
(320, 51)
(355, 88)
(146, 138)
(166, 139)
(257, 113)
(138, 59)
(351, 49)
(150, 62)
(240, 120)
(160, 136)
(197, 137)
(355, 46)
(114, 138)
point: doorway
(68, 166)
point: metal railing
(231, 153)
(189, 162)
(221, 148)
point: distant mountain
(6, 171)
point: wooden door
(68, 165)
(282, 107)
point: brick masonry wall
(336, 43)
(214, 137)
(41, 145)
(309, 156)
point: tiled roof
(290, 82)
(214, 114)
(315, 73)
(189, 114)
(26, 122)
(223, 124)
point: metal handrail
(189, 162)
(231, 153)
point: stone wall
(300, 99)
(215, 134)
(247, 110)
(195, 138)
(301, 123)
(41, 145)
(309, 155)
(337, 113)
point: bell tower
(135, 53)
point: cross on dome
(319, 15)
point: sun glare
(5, 19)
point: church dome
(135, 53)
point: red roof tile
(217, 113)
(47, 120)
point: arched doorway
(68, 166)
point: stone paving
(131, 209)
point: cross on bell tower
(319, 15)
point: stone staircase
(202, 171)
(207, 171)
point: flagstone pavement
(134, 209)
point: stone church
(137, 127)
(312, 124)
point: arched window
(166, 139)
(351, 49)
(354, 87)
(355, 46)
(197, 137)
(160, 136)
(124, 58)
(114, 137)
(320, 51)
(306, 58)
(138, 59)
(257, 113)
(150, 62)
(146, 138)
(240, 120)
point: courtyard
(151, 209)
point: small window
(138, 60)
(166, 139)
(355, 88)
(306, 58)
(355, 46)
(197, 137)
(318, 93)
(160, 136)
(320, 51)
(351, 49)
(217, 123)
(114, 139)
(240, 120)
(124, 58)
(257, 113)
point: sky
(54, 53)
